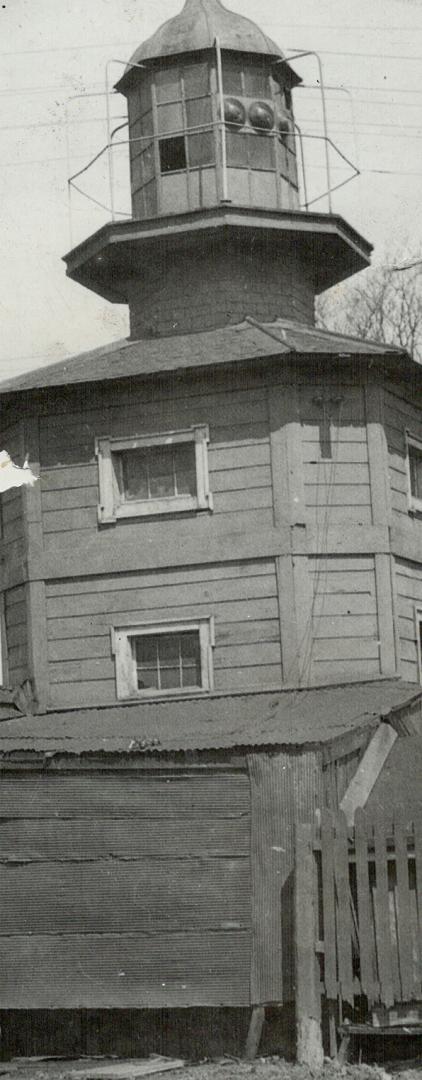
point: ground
(225, 1069)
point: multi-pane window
(414, 462)
(168, 661)
(184, 117)
(164, 658)
(153, 474)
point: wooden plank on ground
(404, 913)
(330, 950)
(366, 927)
(382, 915)
(129, 1070)
(343, 910)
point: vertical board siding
(285, 789)
(409, 597)
(127, 891)
(400, 416)
(337, 488)
(15, 618)
(242, 598)
(344, 640)
(239, 454)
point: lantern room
(211, 126)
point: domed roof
(197, 26)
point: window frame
(112, 505)
(415, 504)
(418, 625)
(125, 663)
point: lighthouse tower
(217, 231)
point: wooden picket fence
(358, 901)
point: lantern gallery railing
(233, 135)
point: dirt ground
(273, 1068)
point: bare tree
(381, 304)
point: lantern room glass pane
(172, 154)
(168, 84)
(196, 79)
(201, 149)
(261, 152)
(232, 76)
(198, 112)
(257, 80)
(170, 118)
(147, 165)
(237, 148)
(146, 124)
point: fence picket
(343, 910)
(382, 915)
(330, 950)
(403, 912)
(369, 982)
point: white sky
(51, 50)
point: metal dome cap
(196, 28)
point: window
(414, 465)
(164, 658)
(153, 474)
(172, 154)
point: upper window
(163, 658)
(414, 463)
(153, 474)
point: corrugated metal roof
(290, 718)
(248, 340)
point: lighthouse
(210, 600)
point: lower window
(166, 658)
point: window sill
(154, 508)
(164, 695)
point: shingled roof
(291, 718)
(248, 340)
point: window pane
(261, 152)
(167, 83)
(232, 77)
(191, 659)
(415, 461)
(146, 124)
(201, 149)
(172, 154)
(257, 83)
(146, 657)
(170, 118)
(147, 165)
(168, 650)
(237, 148)
(134, 474)
(196, 79)
(185, 468)
(161, 472)
(198, 112)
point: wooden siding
(345, 636)
(409, 596)
(16, 625)
(337, 489)
(242, 597)
(401, 415)
(11, 502)
(239, 456)
(125, 891)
